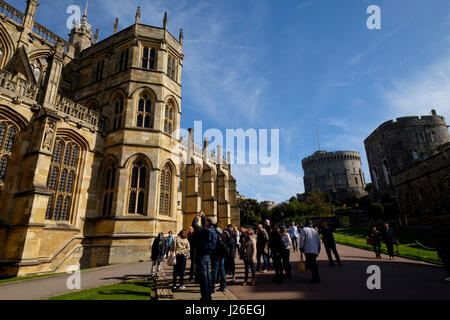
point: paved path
(400, 279)
(43, 288)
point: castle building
(269, 205)
(423, 190)
(396, 146)
(338, 173)
(92, 165)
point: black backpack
(221, 247)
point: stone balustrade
(78, 111)
(9, 12)
(20, 87)
(45, 34)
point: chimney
(433, 112)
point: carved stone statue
(48, 138)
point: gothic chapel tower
(92, 166)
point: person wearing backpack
(206, 245)
(249, 255)
(218, 261)
(159, 249)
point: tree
(375, 210)
(369, 187)
(251, 212)
(317, 203)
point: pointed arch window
(433, 136)
(61, 182)
(118, 107)
(2, 54)
(148, 58)
(7, 135)
(109, 187)
(137, 192)
(123, 60)
(169, 117)
(171, 67)
(376, 178)
(165, 191)
(144, 112)
(420, 137)
(387, 172)
(39, 66)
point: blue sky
(296, 66)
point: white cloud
(419, 93)
(278, 187)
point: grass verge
(7, 280)
(130, 290)
(357, 238)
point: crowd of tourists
(213, 251)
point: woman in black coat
(374, 239)
(159, 249)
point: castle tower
(337, 173)
(81, 34)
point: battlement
(324, 156)
(410, 121)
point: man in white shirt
(310, 246)
(293, 233)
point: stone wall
(423, 191)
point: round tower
(337, 173)
(398, 145)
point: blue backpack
(211, 242)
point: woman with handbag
(179, 252)
(374, 239)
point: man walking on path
(310, 246)
(329, 243)
(262, 249)
(207, 240)
(293, 233)
(230, 266)
(389, 239)
(276, 247)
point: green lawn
(133, 290)
(27, 277)
(408, 247)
